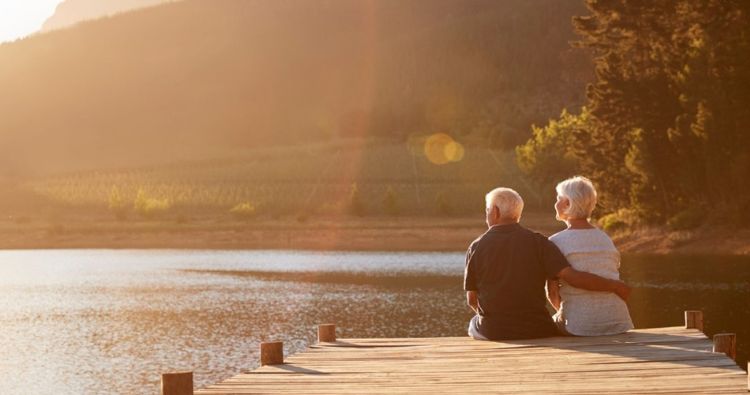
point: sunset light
(19, 18)
(374, 196)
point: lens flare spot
(454, 151)
(440, 149)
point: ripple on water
(93, 322)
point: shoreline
(700, 241)
(401, 234)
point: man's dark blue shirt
(508, 267)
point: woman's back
(588, 313)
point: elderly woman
(581, 312)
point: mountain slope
(194, 74)
(70, 12)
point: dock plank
(660, 360)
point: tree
(550, 156)
(664, 132)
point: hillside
(70, 12)
(174, 81)
(313, 179)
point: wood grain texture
(694, 319)
(327, 333)
(271, 353)
(178, 383)
(726, 343)
(656, 361)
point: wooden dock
(660, 360)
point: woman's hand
(472, 300)
(592, 282)
(622, 290)
(553, 293)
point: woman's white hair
(506, 200)
(581, 194)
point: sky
(19, 18)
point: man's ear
(495, 213)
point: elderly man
(506, 270)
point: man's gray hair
(581, 194)
(506, 200)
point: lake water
(104, 321)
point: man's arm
(472, 300)
(592, 282)
(553, 293)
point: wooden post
(326, 333)
(726, 343)
(271, 353)
(694, 319)
(179, 383)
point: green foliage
(613, 222)
(117, 204)
(667, 114)
(687, 219)
(433, 74)
(316, 179)
(390, 202)
(243, 211)
(550, 155)
(149, 207)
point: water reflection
(666, 286)
(109, 321)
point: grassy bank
(334, 233)
(390, 177)
(301, 197)
(316, 233)
(704, 240)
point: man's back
(508, 267)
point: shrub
(117, 204)
(612, 222)
(150, 207)
(244, 211)
(686, 219)
(549, 155)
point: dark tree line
(664, 132)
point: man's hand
(592, 282)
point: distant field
(313, 179)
